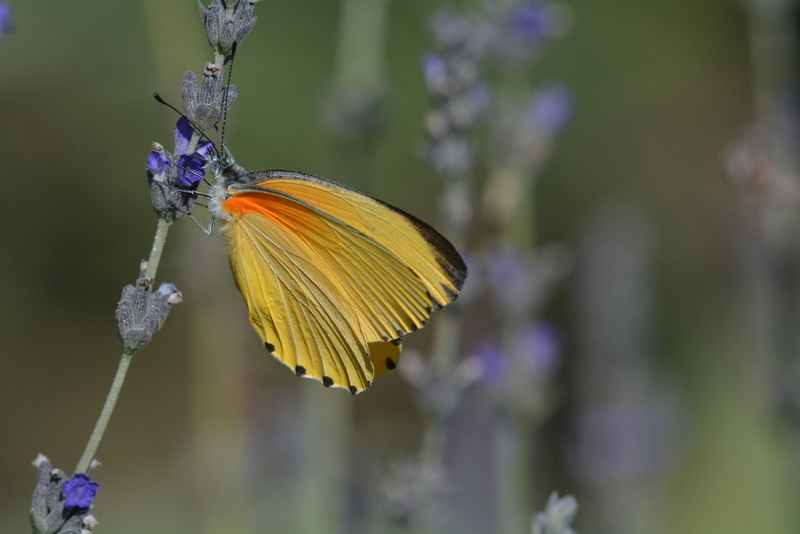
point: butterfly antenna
(225, 97)
(176, 110)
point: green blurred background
(661, 89)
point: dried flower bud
(227, 25)
(141, 313)
(206, 106)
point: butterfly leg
(202, 227)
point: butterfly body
(332, 277)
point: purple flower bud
(79, 491)
(551, 108)
(5, 17)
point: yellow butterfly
(332, 277)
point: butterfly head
(226, 171)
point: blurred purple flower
(539, 345)
(452, 31)
(5, 17)
(505, 268)
(536, 353)
(434, 69)
(492, 362)
(79, 491)
(551, 108)
(529, 22)
(467, 108)
(622, 439)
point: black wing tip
(451, 295)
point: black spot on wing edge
(300, 370)
(353, 390)
(269, 346)
(390, 364)
(327, 381)
(451, 295)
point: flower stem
(111, 399)
(105, 415)
(158, 247)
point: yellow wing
(332, 277)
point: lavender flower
(539, 347)
(550, 108)
(79, 491)
(492, 362)
(531, 356)
(5, 18)
(157, 163)
(434, 70)
(529, 22)
(207, 102)
(455, 33)
(226, 28)
(521, 281)
(516, 32)
(189, 167)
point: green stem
(105, 415)
(111, 400)
(158, 247)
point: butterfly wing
(332, 277)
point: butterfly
(332, 277)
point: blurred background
(624, 187)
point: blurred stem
(358, 89)
(327, 415)
(774, 56)
(433, 443)
(520, 227)
(324, 442)
(512, 465)
(105, 415)
(361, 42)
(445, 341)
